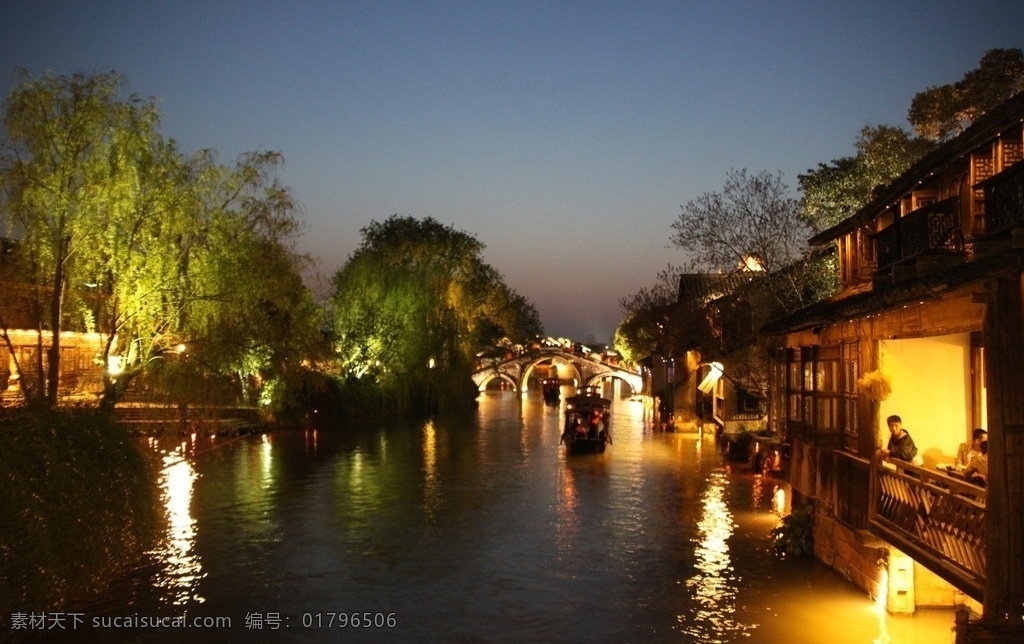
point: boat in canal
(587, 417)
(552, 391)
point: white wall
(930, 380)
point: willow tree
(415, 303)
(251, 315)
(211, 285)
(68, 168)
(122, 234)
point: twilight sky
(562, 134)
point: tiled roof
(701, 287)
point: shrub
(77, 500)
(795, 537)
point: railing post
(873, 487)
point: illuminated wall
(931, 392)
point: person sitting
(595, 423)
(977, 470)
(968, 451)
(901, 446)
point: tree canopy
(639, 334)
(944, 111)
(751, 229)
(415, 303)
(121, 234)
(752, 218)
(835, 191)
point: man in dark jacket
(901, 445)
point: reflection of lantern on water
(715, 584)
(312, 442)
(431, 485)
(881, 598)
(779, 502)
(182, 568)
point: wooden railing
(932, 228)
(934, 517)
(1004, 200)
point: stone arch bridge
(583, 370)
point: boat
(587, 419)
(552, 391)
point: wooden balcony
(935, 518)
(934, 229)
(1004, 200)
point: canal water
(479, 528)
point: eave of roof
(987, 128)
(852, 306)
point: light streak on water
(182, 569)
(879, 608)
(714, 585)
(432, 494)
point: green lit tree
(165, 256)
(247, 314)
(835, 191)
(68, 167)
(944, 111)
(414, 304)
(648, 325)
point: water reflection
(312, 437)
(714, 585)
(431, 480)
(182, 568)
(567, 527)
(879, 608)
(481, 528)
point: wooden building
(25, 341)
(706, 369)
(927, 325)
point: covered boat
(552, 390)
(587, 420)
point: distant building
(706, 371)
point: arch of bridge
(517, 370)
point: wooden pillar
(1004, 543)
(867, 407)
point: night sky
(564, 135)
